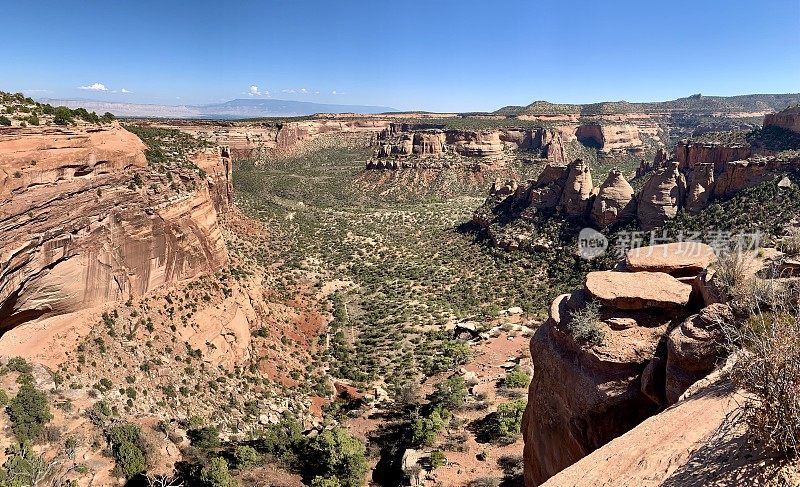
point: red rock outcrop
(584, 395)
(614, 201)
(788, 119)
(402, 139)
(577, 189)
(611, 138)
(84, 221)
(678, 259)
(661, 197)
(689, 154)
(694, 349)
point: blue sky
(435, 55)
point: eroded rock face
(577, 189)
(701, 187)
(676, 259)
(689, 154)
(614, 201)
(585, 395)
(580, 398)
(90, 222)
(788, 119)
(661, 197)
(637, 290)
(610, 138)
(695, 348)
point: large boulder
(637, 290)
(694, 348)
(614, 201)
(661, 197)
(676, 259)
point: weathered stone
(661, 197)
(577, 189)
(677, 258)
(614, 201)
(637, 290)
(694, 348)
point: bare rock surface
(637, 290)
(614, 201)
(85, 221)
(661, 197)
(677, 258)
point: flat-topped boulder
(637, 290)
(677, 259)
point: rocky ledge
(654, 336)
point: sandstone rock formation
(788, 119)
(677, 259)
(694, 348)
(401, 140)
(614, 201)
(577, 189)
(610, 138)
(585, 395)
(85, 221)
(637, 290)
(689, 153)
(661, 197)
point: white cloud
(254, 91)
(334, 93)
(94, 87)
(123, 90)
(295, 90)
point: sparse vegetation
(584, 325)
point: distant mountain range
(234, 109)
(689, 104)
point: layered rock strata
(85, 221)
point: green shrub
(19, 364)
(216, 474)
(319, 481)
(336, 454)
(516, 378)
(438, 459)
(451, 393)
(130, 459)
(206, 438)
(584, 325)
(29, 412)
(4, 120)
(245, 456)
(424, 429)
(62, 116)
(509, 418)
(23, 466)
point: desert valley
(252, 291)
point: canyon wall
(253, 140)
(451, 147)
(788, 119)
(85, 221)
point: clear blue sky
(433, 54)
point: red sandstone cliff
(84, 221)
